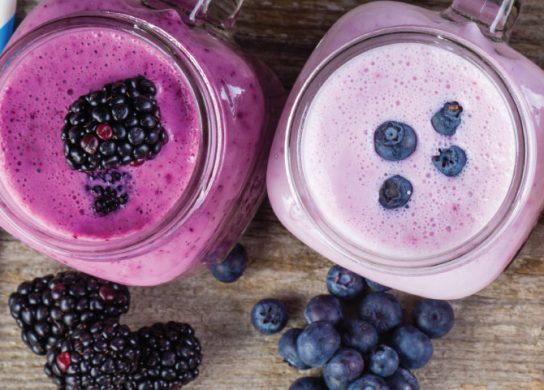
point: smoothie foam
(407, 82)
(35, 98)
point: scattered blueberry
(434, 318)
(384, 361)
(359, 335)
(450, 161)
(403, 379)
(413, 346)
(343, 368)
(369, 382)
(382, 310)
(323, 308)
(395, 192)
(343, 283)
(318, 343)
(376, 287)
(233, 267)
(448, 118)
(269, 316)
(308, 383)
(395, 141)
(287, 348)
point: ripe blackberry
(97, 356)
(48, 308)
(118, 125)
(170, 357)
(110, 190)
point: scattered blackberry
(110, 189)
(117, 125)
(170, 357)
(97, 356)
(47, 308)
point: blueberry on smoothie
(413, 346)
(450, 161)
(434, 318)
(232, 267)
(369, 382)
(115, 126)
(395, 141)
(343, 283)
(403, 379)
(323, 308)
(317, 343)
(287, 348)
(384, 361)
(308, 383)
(359, 335)
(382, 310)
(269, 316)
(395, 192)
(344, 367)
(448, 118)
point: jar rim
(206, 164)
(295, 173)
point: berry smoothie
(133, 141)
(408, 83)
(34, 101)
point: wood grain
(498, 342)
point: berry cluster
(375, 350)
(396, 141)
(110, 189)
(74, 319)
(117, 125)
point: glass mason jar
(316, 155)
(234, 100)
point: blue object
(269, 316)
(7, 21)
(343, 283)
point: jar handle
(217, 13)
(495, 17)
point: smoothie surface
(35, 98)
(409, 83)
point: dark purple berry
(269, 316)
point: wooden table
(498, 341)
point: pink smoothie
(34, 100)
(407, 82)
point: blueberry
(344, 367)
(233, 267)
(323, 308)
(395, 141)
(413, 346)
(308, 383)
(434, 318)
(395, 192)
(403, 379)
(359, 335)
(450, 161)
(382, 310)
(287, 348)
(269, 316)
(448, 118)
(343, 283)
(384, 361)
(369, 382)
(376, 287)
(317, 343)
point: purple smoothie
(34, 100)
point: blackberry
(110, 190)
(48, 308)
(97, 356)
(170, 357)
(118, 125)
